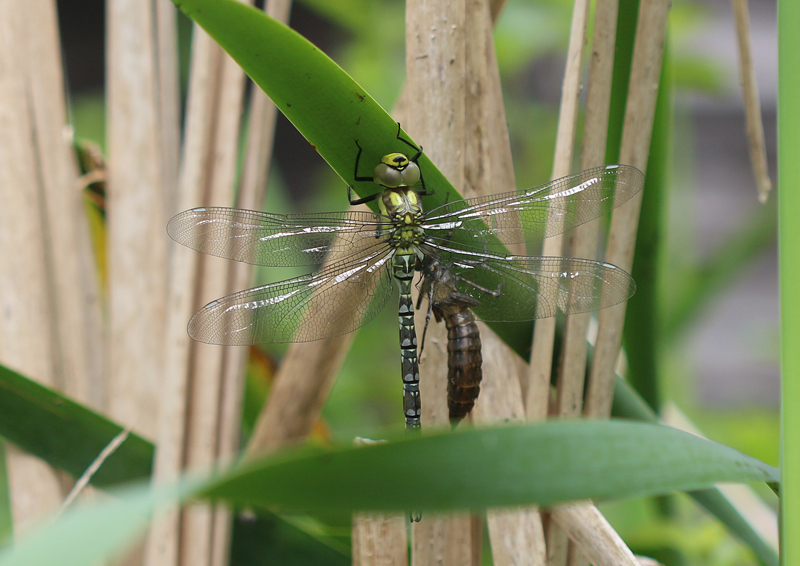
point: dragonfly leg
(356, 177)
(427, 317)
(495, 293)
(424, 192)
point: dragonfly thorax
(396, 170)
(404, 210)
(402, 206)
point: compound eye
(387, 176)
(410, 174)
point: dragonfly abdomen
(403, 271)
(464, 361)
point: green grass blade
(537, 464)
(6, 524)
(268, 539)
(718, 505)
(643, 324)
(546, 464)
(43, 422)
(324, 103)
(630, 405)
(627, 19)
(66, 434)
(92, 534)
(789, 267)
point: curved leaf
(545, 464)
(324, 103)
(540, 464)
(66, 434)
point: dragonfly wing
(528, 288)
(268, 239)
(540, 212)
(333, 301)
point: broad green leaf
(545, 464)
(628, 404)
(92, 534)
(43, 422)
(324, 103)
(267, 539)
(6, 521)
(718, 505)
(66, 434)
(542, 464)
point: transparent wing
(527, 288)
(333, 301)
(268, 239)
(540, 212)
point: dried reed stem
(593, 535)
(597, 540)
(138, 209)
(205, 381)
(252, 189)
(45, 257)
(639, 113)
(752, 106)
(162, 549)
(585, 237)
(436, 67)
(569, 392)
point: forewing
(333, 301)
(540, 212)
(268, 239)
(539, 287)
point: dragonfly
(364, 255)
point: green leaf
(643, 325)
(92, 534)
(789, 270)
(545, 464)
(43, 422)
(324, 103)
(717, 504)
(628, 404)
(66, 434)
(6, 521)
(536, 464)
(266, 539)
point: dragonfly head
(396, 170)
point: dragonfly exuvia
(464, 358)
